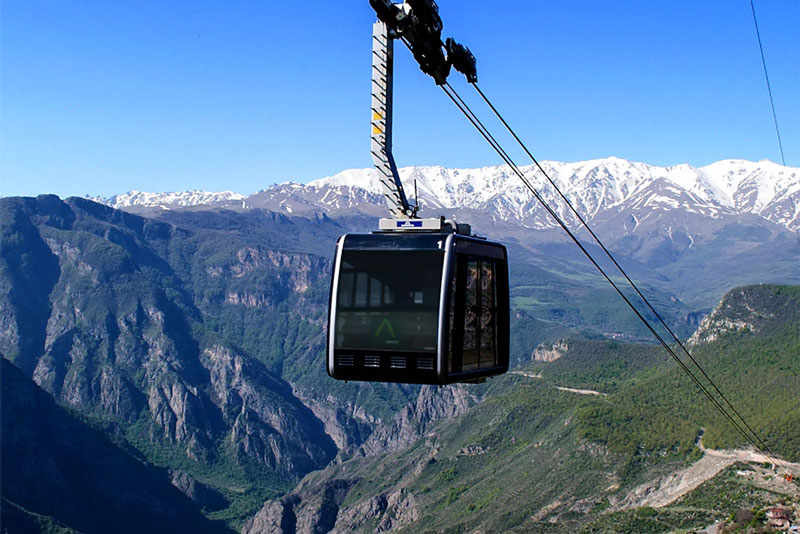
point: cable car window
(473, 329)
(361, 289)
(487, 334)
(387, 295)
(375, 291)
(469, 360)
(453, 366)
(346, 290)
(396, 304)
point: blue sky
(104, 97)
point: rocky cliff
(123, 319)
(60, 473)
(316, 503)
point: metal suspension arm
(419, 24)
(382, 69)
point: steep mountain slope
(749, 346)
(567, 444)
(692, 233)
(107, 312)
(58, 471)
(197, 342)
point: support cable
(766, 77)
(752, 437)
(464, 108)
(661, 320)
(470, 115)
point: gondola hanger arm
(418, 23)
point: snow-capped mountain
(692, 233)
(595, 188)
(171, 200)
(599, 189)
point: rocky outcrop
(300, 269)
(309, 510)
(433, 404)
(317, 509)
(267, 423)
(752, 309)
(390, 510)
(205, 497)
(550, 352)
(347, 423)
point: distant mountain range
(599, 189)
(691, 233)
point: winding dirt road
(665, 490)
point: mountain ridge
(48, 473)
(595, 187)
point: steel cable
(475, 121)
(621, 270)
(766, 77)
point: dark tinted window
(388, 300)
(487, 314)
(473, 314)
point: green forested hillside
(562, 446)
(756, 365)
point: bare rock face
(393, 510)
(307, 511)
(719, 322)
(550, 353)
(315, 505)
(347, 423)
(263, 425)
(206, 497)
(433, 404)
(298, 268)
(317, 509)
(752, 309)
(105, 312)
(275, 517)
(361, 513)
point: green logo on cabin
(388, 325)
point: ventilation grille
(397, 362)
(372, 361)
(424, 363)
(346, 360)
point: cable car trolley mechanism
(419, 301)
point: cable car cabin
(420, 308)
